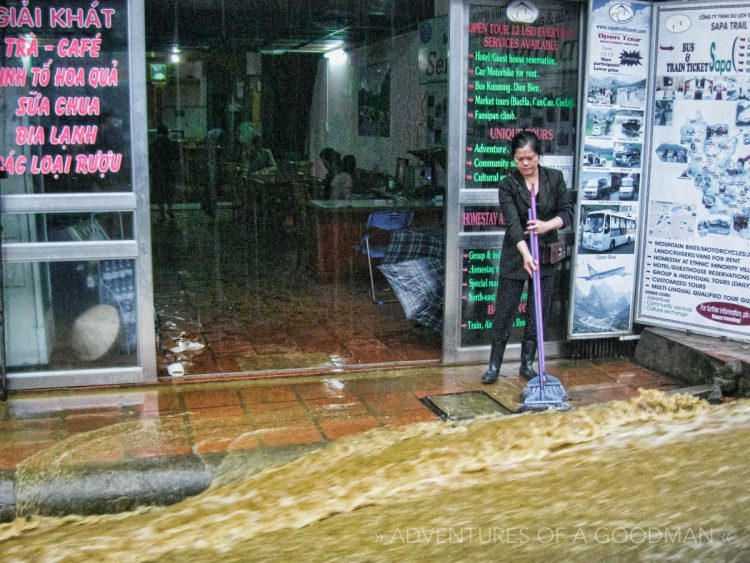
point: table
(336, 225)
(196, 159)
(269, 202)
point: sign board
(611, 160)
(521, 76)
(480, 271)
(695, 255)
(64, 79)
(432, 53)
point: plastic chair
(386, 221)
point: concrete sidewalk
(116, 449)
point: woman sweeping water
(555, 211)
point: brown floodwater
(651, 478)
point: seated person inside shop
(342, 184)
(259, 159)
(431, 180)
(330, 160)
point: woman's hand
(529, 264)
(540, 227)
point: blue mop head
(553, 396)
(553, 387)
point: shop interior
(279, 131)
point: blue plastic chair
(387, 221)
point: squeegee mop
(543, 391)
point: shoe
(186, 346)
(528, 351)
(496, 359)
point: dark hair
(526, 138)
(162, 131)
(331, 158)
(349, 163)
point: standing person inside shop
(164, 158)
(554, 212)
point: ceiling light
(336, 56)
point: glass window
(594, 223)
(70, 315)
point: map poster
(611, 162)
(695, 255)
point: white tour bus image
(606, 229)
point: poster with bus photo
(611, 165)
(607, 229)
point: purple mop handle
(537, 290)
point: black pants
(506, 306)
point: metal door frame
(3, 374)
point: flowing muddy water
(653, 477)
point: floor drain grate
(464, 406)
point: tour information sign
(520, 76)
(479, 282)
(609, 179)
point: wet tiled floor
(251, 299)
(215, 418)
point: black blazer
(553, 200)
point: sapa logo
(677, 23)
(522, 11)
(718, 65)
(621, 13)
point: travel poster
(610, 169)
(695, 253)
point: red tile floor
(220, 417)
(250, 298)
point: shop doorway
(256, 268)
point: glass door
(509, 75)
(76, 241)
(284, 141)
